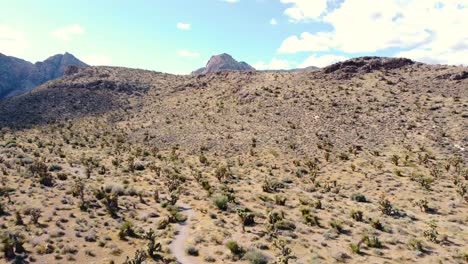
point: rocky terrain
(223, 62)
(18, 76)
(364, 161)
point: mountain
(306, 69)
(223, 62)
(18, 76)
(357, 157)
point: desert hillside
(363, 161)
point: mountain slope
(223, 62)
(364, 161)
(19, 76)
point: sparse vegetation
(236, 168)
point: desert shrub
(126, 230)
(305, 210)
(285, 225)
(372, 242)
(46, 179)
(139, 167)
(55, 167)
(255, 257)
(152, 247)
(274, 217)
(206, 186)
(192, 251)
(203, 159)
(311, 220)
(317, 204)
(280, 200)
(395, 160)
(111, 202)
(375, 223)
(235, 248)
(18, 218)
(34, 213)
(358, 197)
(343, 156)
(431, 234)
(38, 168)
(355, 248)
(175, 216)
(222, 173)
(462, 189)
(114, 188)
(246, 217)
(221, 201)
(2, 209)
(139, 258)
(415, 244)
(423, 205)
(357, 215)
(271, 186)
(62, 176)
(426, 182)
(8, 248)
(337, 226)
(385, 206)
(12, 245)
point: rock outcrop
(18, 76)
(223, 62)
(362, 65)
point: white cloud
(12, 42)
(275, 64)
(183, 26)
(273, 22)
(321, 61)
(230, 1)
(186, 53)
(66, 33)
(320, 41)
(431, 30)
(304, 9)
(97, 60)
(456, 57)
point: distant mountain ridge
(306, 69)
(18, 76)
(223, 62)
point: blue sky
(179, 36)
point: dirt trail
(178, 245)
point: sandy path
(178, 246)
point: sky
(179, 36)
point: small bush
(126, 230)
(357, 215)
(235, 248)
(255, 257)
(415, 244)
(62, 176)
(385, 206)
(285, 225)
(358, 197)
(375, 223)
(221, 201)
(372, 242)
(192, 251)
(337, 226)
(355, 248)
(55, 167)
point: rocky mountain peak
(223, 62)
